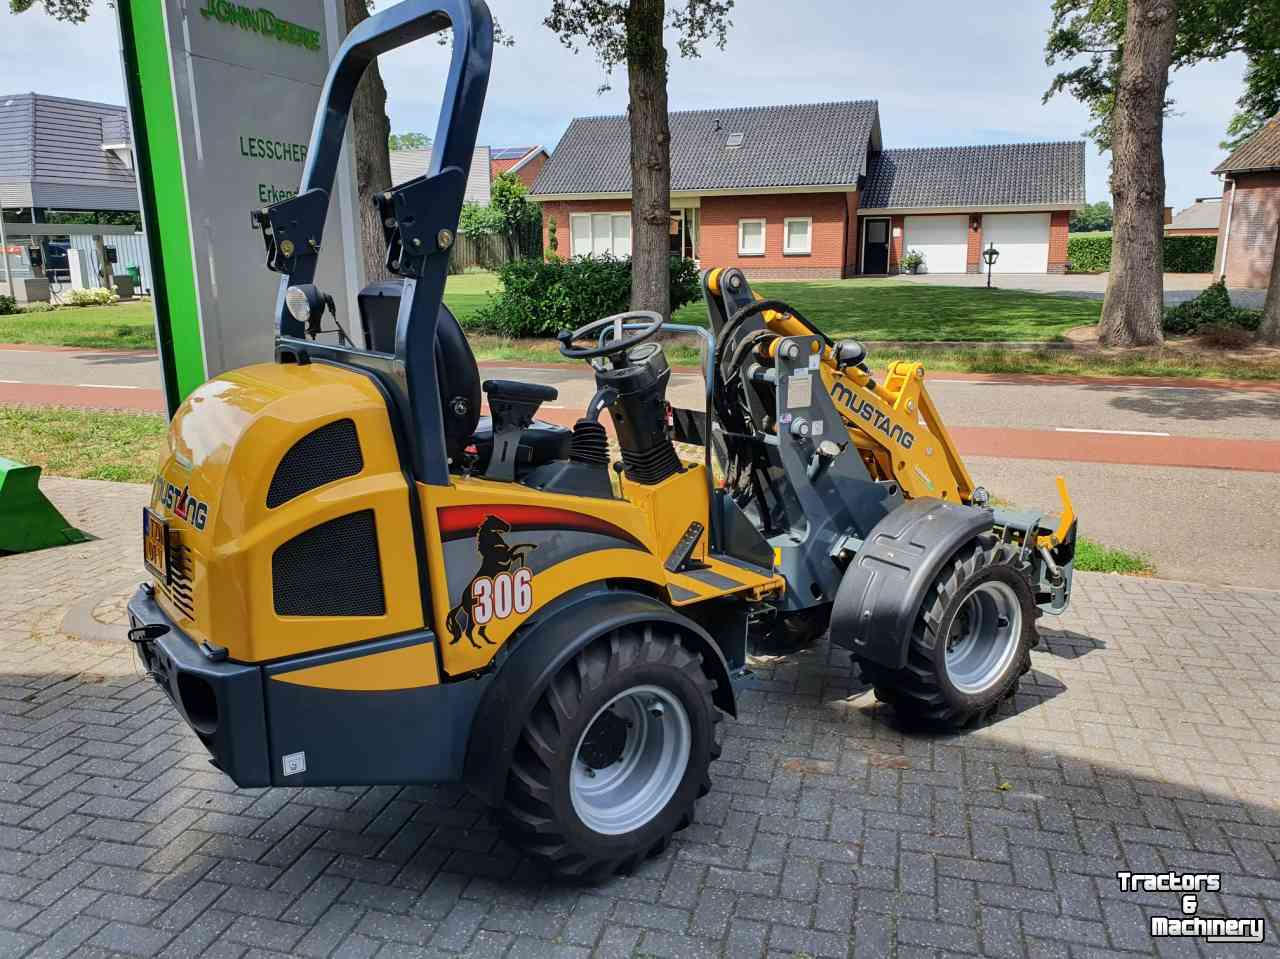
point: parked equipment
(357, 578)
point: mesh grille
(329, 453)
(330, 570)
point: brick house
(1250, 209)
(1199, 219)
(809, 191)
(524, 162)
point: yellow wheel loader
(357, 578)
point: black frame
(409, 373)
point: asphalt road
(1187, 475)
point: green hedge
(543, 297)
(1182, 254)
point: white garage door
(1021, 238)
(941, 239)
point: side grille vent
(330, 570)
(181, 571)
(329, 453)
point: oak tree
(1119, 55)
(630, 33)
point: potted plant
(912, 260)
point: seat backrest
(456, 369)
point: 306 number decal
(497, 597)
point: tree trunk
(1269, 332)
(650, 158)
(1134, 307)
(370, 129)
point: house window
(751, 237)
(797, 235)
(595, 234)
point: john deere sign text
(262, 21)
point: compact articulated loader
(356, 578)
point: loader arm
(895, 425)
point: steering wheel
(618, 344)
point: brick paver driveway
(1146, 738)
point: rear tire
(970, 644)
(613, 755)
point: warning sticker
(799, 391)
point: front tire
(613, 755)
(970, 644)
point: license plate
(155, 544)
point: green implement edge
(28, 521)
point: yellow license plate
(155, 544)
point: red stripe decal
(457, 522)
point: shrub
(1211, 308)
(39, 307)
(8, 305)
(912, 260)
(1225, 336)
(542, 297)
(1182, 254)
(93, 296)
(1089, 254)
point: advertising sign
(222, 97)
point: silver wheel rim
(627, 793)
(984, 637)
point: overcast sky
(944, 73)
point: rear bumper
(264, 729)
(222, 702)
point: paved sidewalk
(1178, 287)
(1146, 738)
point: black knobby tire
(924, 692)
(538, 815)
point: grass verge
(1093, 557)
(85, 444)
(125, 326)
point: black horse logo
(496, 556)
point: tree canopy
(1206, 30)
(602, 26)
(408, 141)
(1094, 216)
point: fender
(884, 587)
(542, 651)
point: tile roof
(1260, 152)
(814, 144)
(1201, 215)
(995, 175)
(407, 164)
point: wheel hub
(630, 760)
(605, 740)
(984, 637)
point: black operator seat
(459, 377)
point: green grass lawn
(85, 444)
(866, 309)
(875, 309)
(892, 310)
(125, 326)
(869, 309)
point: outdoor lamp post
(989, 256)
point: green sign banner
(221, 118)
